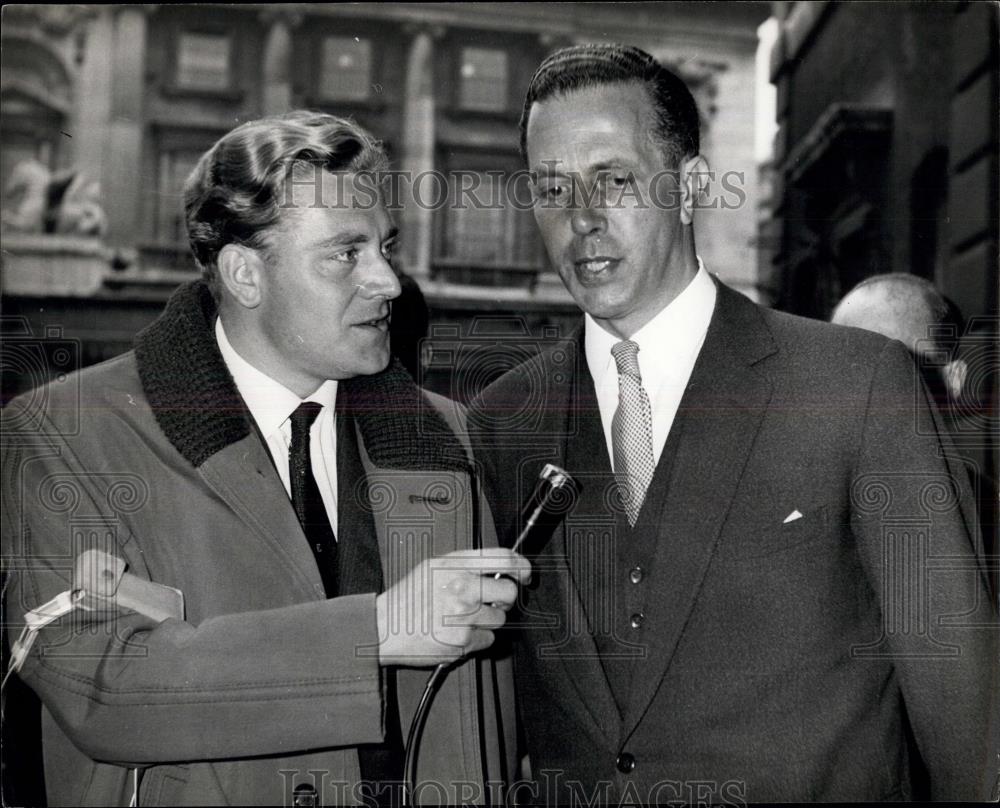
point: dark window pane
(345, 72)
(175, 166)
(203, 61)
(483, 229)
(483, 80)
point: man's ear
(694, 179)
(240, 271)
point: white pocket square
(792, 517)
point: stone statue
(37, 200)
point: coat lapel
(720, 413)
(198, 407)
(243, 475)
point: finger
(479, 640)
(499, 562)
(483, 615)
(489, 617)
(501, 593)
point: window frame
(173, 86)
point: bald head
(899, 306)
(910, 309)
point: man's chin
(600, 303)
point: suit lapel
(568, 639)
(719, 415)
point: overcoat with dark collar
(811, 622)
(265, 684)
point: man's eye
(615, 180)
(345, 256)
(553, 193)
(388, 250)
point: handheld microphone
(554, 495)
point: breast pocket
(164, 785)
(773, 537)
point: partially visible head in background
(287, 223)
(408, 325)
(910, 309)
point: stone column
(418, 151)
(123, 165)
(276, 94)
(92, 101)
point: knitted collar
(199, 409)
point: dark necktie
(307, 500)
(381, 764)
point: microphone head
(553, 497)
(556, 476)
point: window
(346, 69)
(483, 80)
(175, 166)
(485, 237)
(203, 61)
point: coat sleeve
(130, 691)
(913, 516)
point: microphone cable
(553, 483)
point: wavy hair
(234, 193)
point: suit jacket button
(635, 575)
(636, 620)
(625, 762)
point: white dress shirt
(271, 404)
(669, 345)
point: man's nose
(587, 220)
(380, 281)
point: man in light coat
(312, 506)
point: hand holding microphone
(448, 606)
(465, 604)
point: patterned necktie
(632, 430)
(306, 497)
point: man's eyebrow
(545, 169)
(343, 239)
(608, 165)
(348, 238)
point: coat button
(636, 620)
(625, 762)
(305, 796)
(635, 575)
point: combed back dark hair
(675, 113)
(234, 194)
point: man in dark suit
(768, 589)
(911, 309)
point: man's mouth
(594, 268)
(378, 323)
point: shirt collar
(678, 330)
(270, 402)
